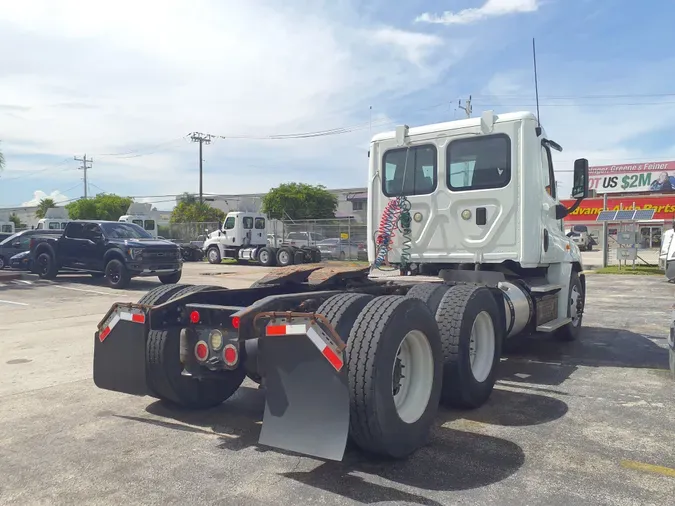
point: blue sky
(125, 82)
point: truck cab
(476, 199)
(56, 218)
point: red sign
(629, 168)
(589, 209)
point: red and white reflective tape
(316, 335)
(117, 317)
(298, 329)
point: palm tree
(43, 206)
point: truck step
(553, 324)
(545, 288)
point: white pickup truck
(580, 236)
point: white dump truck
(345, 351)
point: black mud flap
(307, 399)
(120, 349)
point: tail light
(195, 317)
(201, 351)
(230, 355)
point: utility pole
(84, 168)
(201, 139)
(467, 108)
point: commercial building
(630, 186)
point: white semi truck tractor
(349, 351)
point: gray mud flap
(119, 350)
(307, 398)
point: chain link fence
(338, 239)
(186, 232)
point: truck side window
(410, 171)
(149, 225)
(74, 231)
(91, 231)
(260, 223)
(54, 226)
(479, 163)
(229, 223)
(137, 222)
(248, 222)
(549, 176)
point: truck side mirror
(580, 180)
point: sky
(126, 83)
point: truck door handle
(481, 216)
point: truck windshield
(124, 231)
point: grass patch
(640, 270)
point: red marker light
(230, 355)
(236, 321)
(194, 317)
(201, 351)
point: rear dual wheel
(394, 364)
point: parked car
(18, 243)
(338, 249)
(21, 261)
(115, 250)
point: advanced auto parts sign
(657, 177)
(664, 207)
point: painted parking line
(22, 282)
(81, 289)
(12, 302)
(649, 468)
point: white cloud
(490, 9)
(38, 195)
(147, 72)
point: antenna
(536, 85)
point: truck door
(70, 245)
(553, 230)
(93, 247)
(229, 231)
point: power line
(84, 167)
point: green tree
(191, 211)
(14, 218)
(43, 206)
(105, 206)
(299, 201)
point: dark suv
(114, 250)
(18, 242)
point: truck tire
(299, 257)
(213, 255)
(392, 408)
(429, 293)
(316, 255)
(2, 262)
(285, 256)
(167, 383)
(116, 274)
(571, 331)
(171, 279)
(342, 310)
(188, 289)
(266, 257)
(160, 294)
(45, 266)
(471, 334)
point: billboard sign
(589, 209)
(657, 177)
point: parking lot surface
(589, 422)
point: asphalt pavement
(589, 422)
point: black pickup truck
(114, 250)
